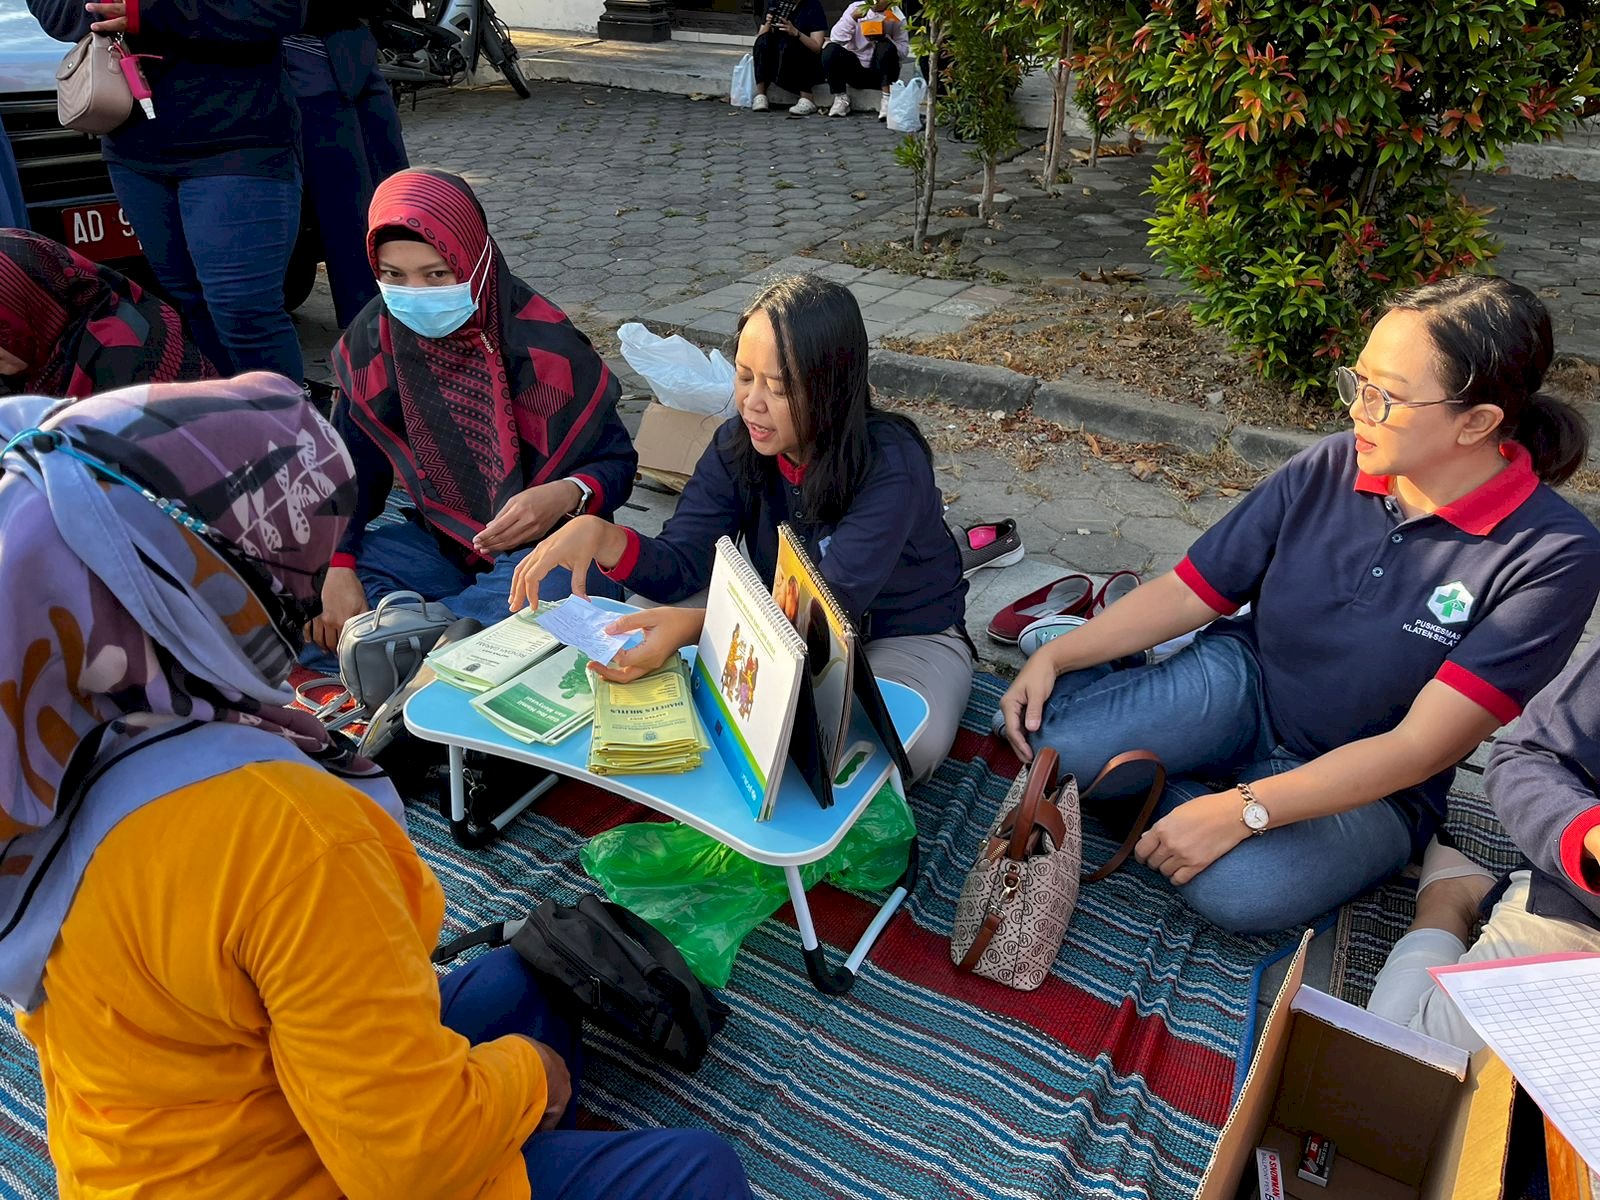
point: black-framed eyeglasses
(1375, 402)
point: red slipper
(1114, 589)
(1069, 596)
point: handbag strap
(1158, 784)
(1032, 809)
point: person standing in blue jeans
(1413, 584)
(211, 178)
(350, 136)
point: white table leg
(458, 784)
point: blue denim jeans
(495, 995)
(1204, 713)
(219, 246)
(404, 556)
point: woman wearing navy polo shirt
(857, 484)
(1412, 586)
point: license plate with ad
(99, 232)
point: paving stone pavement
(619, 204)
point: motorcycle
(434, 43)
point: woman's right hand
(557, 1086)
(343, 597)
(1024, 701)
(578, 544)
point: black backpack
(601, 962)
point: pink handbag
(1020, 894)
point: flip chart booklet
(748, 672)
(837, 667)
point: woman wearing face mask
(1413, 584)
(480, 398)
(857, 484)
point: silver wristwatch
(585, 495)
(1254, 814)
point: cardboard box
(1413, 1118)
(670, 442)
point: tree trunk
(1094, 143)
(986, 201)
(1056, 135)
(930, 152)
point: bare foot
(1452, 904)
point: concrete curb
(1093, 405)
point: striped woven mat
(1110, 1081)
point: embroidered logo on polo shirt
(1451, 603)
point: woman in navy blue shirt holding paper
(806, 448)
(1412, 585)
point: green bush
(1312, 148)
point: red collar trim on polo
(795, 473)
(1481, 509)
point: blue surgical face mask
(433, 312)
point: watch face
(1255, 816)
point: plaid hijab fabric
(82, 328)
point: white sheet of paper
(581, 624)
(1542, 1017)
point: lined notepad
(1542, 1017)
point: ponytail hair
(1493, 345)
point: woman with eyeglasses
(1412, 583)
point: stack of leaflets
(495, 655)
(647, 727)
(546, 702)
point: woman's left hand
(666, 631)
(1193, 836)
(113, 16)
(528, 516)
(789, 27)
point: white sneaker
(760, 104)
(841, 106)
(883, 107)
(802, 108)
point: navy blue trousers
(494, 995)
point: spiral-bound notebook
(747, 678)
(837, 668)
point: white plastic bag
(905, 104)
(742, 91)
(678, 371)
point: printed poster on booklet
(809, 605)
(747, 677)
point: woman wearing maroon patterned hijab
(477, 396)
(70, 328)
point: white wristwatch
(1254, 814)
(585, 495)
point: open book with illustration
(748, 671)
(836, 666)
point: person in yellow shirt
(211, 919)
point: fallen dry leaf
(858, 195)
(1143, 469)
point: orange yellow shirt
(240, 1003)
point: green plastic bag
(705, 898)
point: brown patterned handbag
(1020, 894)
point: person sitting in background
(285, 1035)
(71, 328)
(857, 484)
(788, 53)
(1542, 783)
(1414, 583)
(856, 58)
(494, 413)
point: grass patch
(900, 258)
